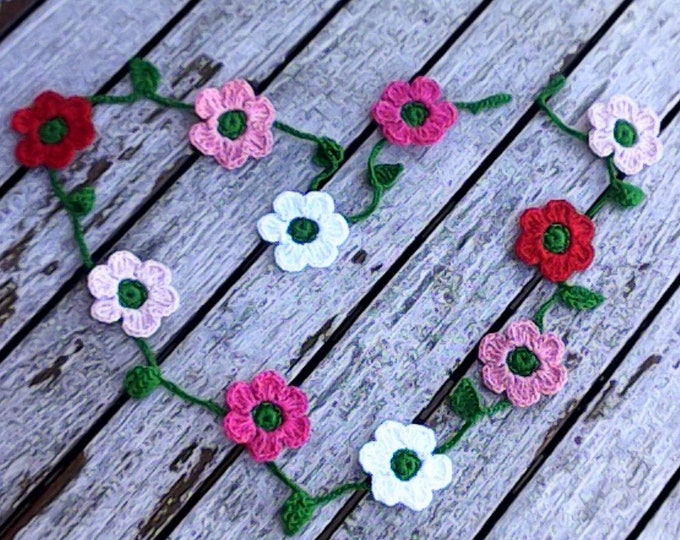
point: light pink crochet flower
(236, 126)
(266, 416)
(523, 363)
(135, 291)
(412, 113)
(630, 132)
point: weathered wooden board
(622, 450)
(139, 147)
(397, 356)
(666, 521)
(97, 37)
(187, 229)
(11, 12)
(222, 350)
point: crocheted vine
(404, 463)
(305, 228)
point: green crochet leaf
(145, 77)
(579, 298)
(297, 511)
(465, 402)
(81, 202)
(385, 176)
(329, 154)
(627, 195)
(140, 381)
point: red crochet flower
(54, 128)
(557, 238)
(412, 114)
(266, 416)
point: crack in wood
(9, 261)
(309, 343)
(598, 409)
(652, 361)
(8, 296)
(53, 372)
(172, 500)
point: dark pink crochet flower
(523, 363)
(266, 416)
(412, 113)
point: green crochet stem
(540, 314)
(323, 499)
(131, 98)
(78, 234)
(146, 352)
(377, 189)
(205, 403)
(458, 435)
(491, 102)
(556, 84)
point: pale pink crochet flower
(630, 132)
(266, 416)
(237, 124)
(135, 291)
(523, 363)
(412, 113)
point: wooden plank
(11, 12)
(139, 147)
(95, 36)
(602, 477)
(202, 205)
(222, 349)
(666, 521)
(392, 361)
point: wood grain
(202, 205)
(222, 350)
(666, 521)
(624, 448)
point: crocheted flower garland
(404, 463)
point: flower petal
(236, 94)
(529, 248)
(264, 446)
(240, 398)
(320, 254)
(271, 228)
(258, 142)
(533, 221)
(24, 121)
(291, 257)
(420, 439)
(496, 377)
(208, 103)
(106, 310)
(232, 154)
(388, 435)
(437, 471)
(646, 122)
(601, 142)
(101, 283)
(623, 108)
(493, 349)
(650, 148)
(153, 274)
(600, 117)
(557, 268)
(293, 401)
(387, 489)
(239, 428)
(260, 111)
(289, 205)
(334, 229)
(123, 265)
(397, 93)
(317, 205)
(294, 431)
(549, 348)
(416, 494)
(425, 90)
(374, 460)
(550, 379)
(521, 333)
(629, 160)
(397, 133)
(429, 133)
(384, 112)
(162, 301)
(140, 323)
(523, 391)
(206, 140)
(267, 386)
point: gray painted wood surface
(666, 522)
(623, 449)
(137, 472)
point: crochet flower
(135, 291)
(630, 132)
(54, 129)
(412, 113)
(266, 416)
(236, 124)
(402, 465)
(523, 363)
(306, 229)
(557, 239)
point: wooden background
(389, 329)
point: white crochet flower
(306, 229)
(630, 132)
(135, 291)
(402, 465)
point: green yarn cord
(329, 154)
(146, 352)
(299, 508)
(543, 309)
(131, 98)
(75, 216)
(458, 435)
(205, 403)
(555, 85)
(491, 102)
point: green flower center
(232, 124)
(414, 114)
(303, 230)
(131, 294)
(522, 362)
(556, 238)
(53, 131)
(267, 416)
(625, 134)
(405, 464)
